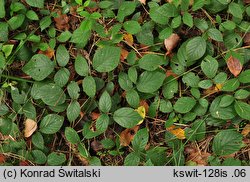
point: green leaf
(132, 27)
(140, 140)
(184, 104)
(106, 59)
(133, 98)
(157, 155)
(64, 36)
(197, 132)
(198, 4)
(227, 142)
(241, 94)
(16, 21)
(39, 67)
(81, 66)
(150, 81)
(209, 66)
(105, 102)
(2, 8)
(37, 140)
(73, 111)
(52, 95)
(3, 31)
(165, 33)
(215, 34)
(170, 88)
(56, 159)
(102, 123)
(127, 117)
(196, 48)
(89, 86)
(132, 159)
(5, 126)
(108, 143)
(235, 10)
(132, 74)
(73, 90)
(62, 56)
(124, 81)
(39, 156)
(71, 135)
(226, 100)
(166, 106)
(126, 8)
(32, 15)
(188, 19)
(242, 109)
(205, 84)
(45, 22)
(224, 113)
(35, 3)
(51, 124)
(151, 62)
(231, 162)
(231, 85)
(62, 77)
(244, 76)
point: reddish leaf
(234, 66)
(95, 115)
(2, 159)
(171, 42)
(127, 135)
(24, 163)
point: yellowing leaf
(246, 130)
(218, 87)
(234, 65)
(128, 38)
(30, 127)
(142, 111)
(178, 132)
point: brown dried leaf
(171, 42)
(95, 115)
(143, 1)
(49, 52)
(234, 66)
(247, 39)
(246, 130)
(127, 135)
(124, 54)
(171, 73)
(30, 127)
(62, 21)
(96, 145)
(247, 1)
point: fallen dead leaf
(2, 159)
(30, 127)
(128, 38)
(247, 39)
(246, 130)
(143, 2)
(171, 42)
(247, 1)
(178, 132)
(127, 135)
(234, 66)
(62, 21)
(49, 52)
(124, 54)
(94, 115)
(96, 145)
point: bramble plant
(118, 82)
